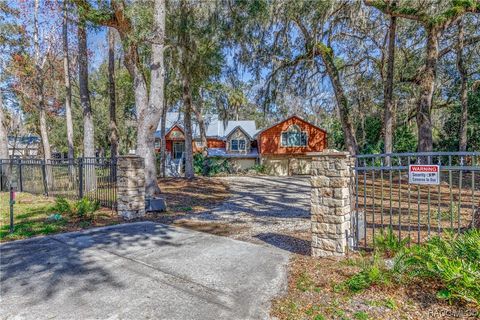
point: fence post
(20, 176)
(44, 175)
(80, 178)
(130, 187)
(330, 202)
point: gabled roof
(214, 126)
(248, 126)
(241, 129)
(285, 120)
(175, 125)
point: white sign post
(424, 174)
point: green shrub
(210, 166)
(62, 206)
(373, 272)
(389, 244)
(259, 168)
(85, 208)
(452, 260)
(199, 163)
(218, 165)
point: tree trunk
(388, 90)
(427, 87)
(201, 125)
(163, 145)
(39, 92)
(4, 169)
(149, 116)
(68, 87)
(343, 107)
(3, 131)
(462, 70)
(187, 105)
(88, 130)
(111, 93)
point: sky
(50, 21)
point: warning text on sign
(424, 174)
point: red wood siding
(269, 141)
(169, 146)
(175, 130)
(173, 135)
(215, 143)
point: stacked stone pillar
(130, 187)
(330, 202)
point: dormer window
(237, 145)
(294, 137)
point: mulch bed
(190, 196)
(311, 295)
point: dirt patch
(313, 294)
(185, 196)
(190, 197)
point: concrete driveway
(141, 270)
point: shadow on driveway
(286, 242)
(139, 270)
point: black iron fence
(389, 194)
(93, 178)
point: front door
(178, 149)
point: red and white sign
(423, 174)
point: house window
(294, 137)
(237, 145)
(157, 144)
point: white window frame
(293, 129)
(238, 145)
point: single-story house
(24, 146)
(282, 148)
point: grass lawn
(31, 213)
(313, 293)
(183, 197)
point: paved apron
(138, 271)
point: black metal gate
(384, 199)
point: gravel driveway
(267, 210)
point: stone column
(330, 202)
(130, 186)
